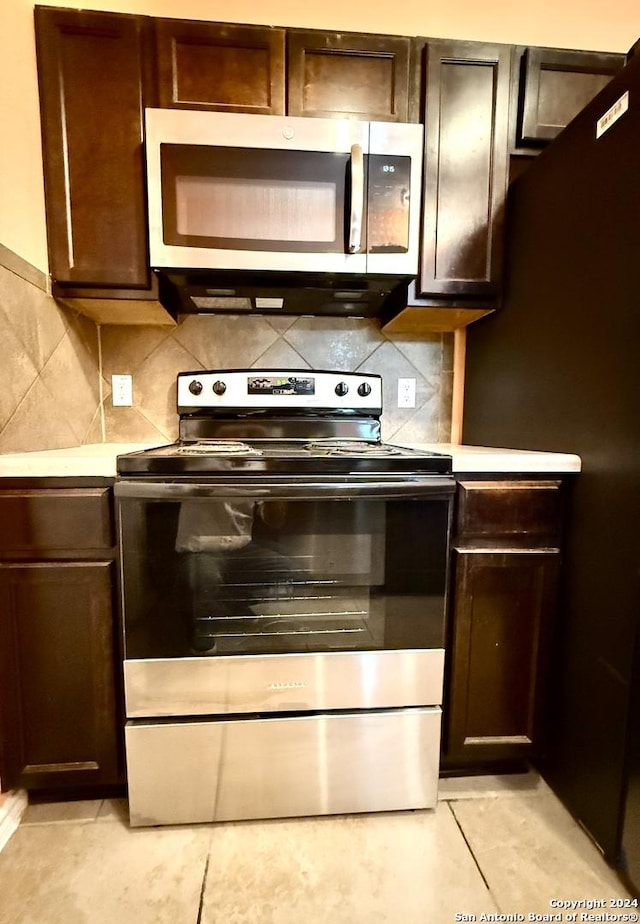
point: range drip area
(283, 604)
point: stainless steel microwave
(232, 191)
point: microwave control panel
(388, 203)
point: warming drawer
(292, 766)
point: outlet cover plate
(406, 392)
(121, 390)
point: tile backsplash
(55, 378)
(154, 356)
(49, 375)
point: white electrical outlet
(406, 392)
(121, 390)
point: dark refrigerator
(558, 368)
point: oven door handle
(243, 489)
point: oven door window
(259, 200)
(204, 577)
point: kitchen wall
(58, 365)
(589, 24)
(49, 375)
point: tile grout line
(202, 888)
(464, 838)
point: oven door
(263, 594)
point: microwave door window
(255, 210)
(243, 199)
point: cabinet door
(58, 707)
(227, 67)
(341, 75)
(503, 611)
(555, 85)
(91, 102)
(465, 171)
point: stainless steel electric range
(283, 578)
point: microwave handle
(357, 198)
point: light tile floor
(493, 846)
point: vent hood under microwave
(264, 201)
(240, 292)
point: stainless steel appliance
(291, 199)
(283, 577)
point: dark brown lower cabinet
(60, 687)
(503, 620)
(505, 578)
(58, 703)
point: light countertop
(99, 460)
(475, 459)
(95, 460)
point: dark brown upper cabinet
(554, 85)
(91, 78)
(465, 171)
(331, 74)
(221, 66)
(98, 71)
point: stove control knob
(195, 387)
(341, 389)
(219, 388)
(364, 389)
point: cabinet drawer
(49, 520)
(505, 509)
